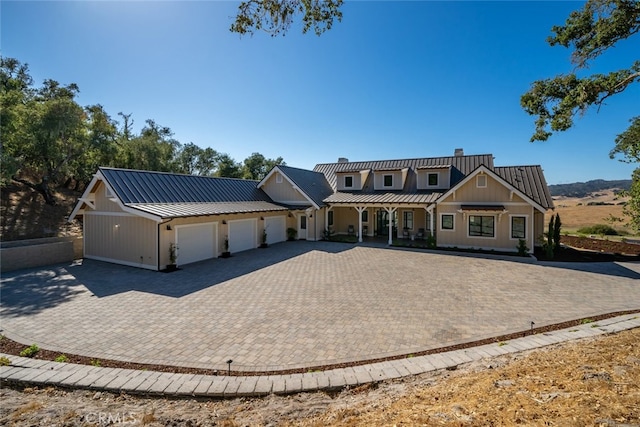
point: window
(481, 226)
(481, 181)
(432, 179)
(278, 178)
(446, 222)
(330, 218)
(348, 181)
(387, 180)
(365, 216)
(518, 227)
(407, 218)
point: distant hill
(582, 189)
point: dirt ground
(586, 382)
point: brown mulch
(601, 245)
(9, 346)
(586, 249)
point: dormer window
(387, 180)
(481, 181)
(278, 178)
(348, 181)
(432, 180)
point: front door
(302, 227)
(382, 222)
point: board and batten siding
(104, 203)
(283, 192)
(121, 238)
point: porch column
(430, 212)
(390, 211)
(360, 210)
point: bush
(601, 229)
(30, 351)
(523, 250)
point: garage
(242, 235)
(196, 242)
(276, 229)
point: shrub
(601, 229)
(4, 361)
(30, 351)
(523, 250)
(61, 358)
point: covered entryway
(242, 234)
(196, 242)
(276, 228)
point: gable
(493, 191)
(281, 190)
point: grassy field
(575, 213)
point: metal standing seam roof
(400, 198)
(170, 195)
(460, 167)
(313, 184)
(529, 180)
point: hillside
(583, 189)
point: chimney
(343, 160)
(459, 152)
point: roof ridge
(407, 159)
(174, 173)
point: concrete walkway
(25, 371)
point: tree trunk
(42, 188)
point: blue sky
(393, 80)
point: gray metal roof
(379, 197)
(176, 210)
(134, 186)
(313, 184)
(529, 180)
(460, 167)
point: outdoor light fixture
(168, 227)
(117, 226)
(261, 218)
(229, 362)
(224, 221)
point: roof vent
(459, 152)
(343, 160)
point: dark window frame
(487, 222)
(524, 227)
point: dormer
(433, 177)
(389, 178)
(351, 180)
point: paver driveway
(300, 304)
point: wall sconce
(290, 215)
(117, 226)
(168, 227)
(224, 221)
(261, 218)
(310, 216)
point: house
(134, 217)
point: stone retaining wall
(31, 253)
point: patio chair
(351, 230)
(420, 233)
(405, 233)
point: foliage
(96, 363)
(291, 233)
(30, 351)
(599, 229)
(557, 229)
(628, 143)
(328, 233)
(598, 26)
(632, 207)
(548, 246)
(61, 358)
(431, 241)
(276, 16)
(226, 243)
(256, 166)
(523, 250)
(264, 237)
(4, 361)
(173, 253)
(49, 140)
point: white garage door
(196, 242)
(276, 229)
(242, 235)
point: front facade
(136, 217)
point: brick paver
(300, 304)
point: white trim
(127, 263)
(383, 179)
(344, 181)
(437, 184)
(278, 178)
(526, 226)
(440, 222)
(485, 204)
(86, 195)
(107, 213)
(478, 185)
(495, 224)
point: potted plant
(173, 257)
(291, 233)
(226, 253)
(264, 243)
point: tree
(194, 160)
(227, 167)
(276, 16)
(256, 166)
(628, 144)
(590, 31)
(557, 229)
(154, 149)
